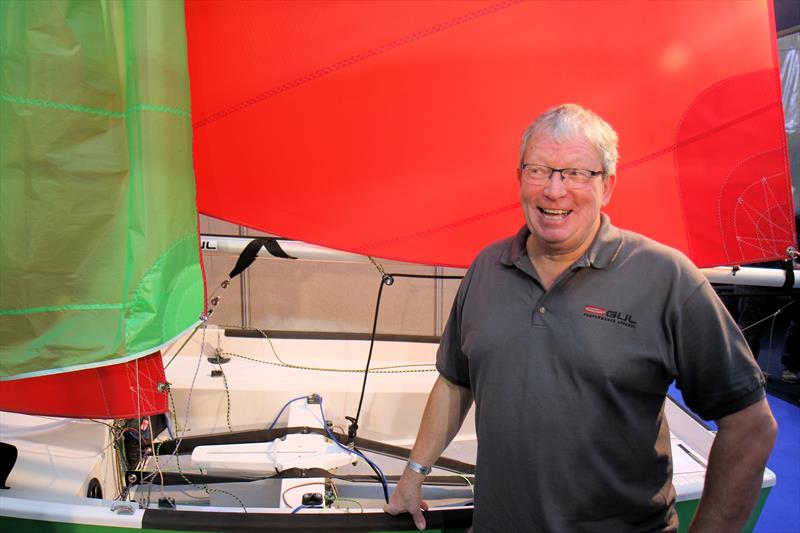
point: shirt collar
(603, 250)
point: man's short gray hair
(566, 120)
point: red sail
(391, 128)
(125, 390)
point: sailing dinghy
(385, 129)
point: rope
(376, 370)
(377, 265)
(227, 397)
(201, 486)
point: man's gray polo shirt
(569, 384)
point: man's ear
(608, 187)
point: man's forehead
(573, 142)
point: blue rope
(334, 439)
(296, 509)
(283, 409)
(370, 463)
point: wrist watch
(418, 468)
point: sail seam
(700, 136)
(98, 307)
(92, 110)
(157, 263)
(98, 364)
(54, 308)
(669, 149)
(352, 60)
(433, 231)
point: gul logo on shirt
(609, 315)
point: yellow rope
(377, 370)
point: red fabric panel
(748, 207)
(105, 392)
(392, 128)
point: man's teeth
(555, 212)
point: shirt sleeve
(717, 374)
(451, 362)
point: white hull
(59, 457)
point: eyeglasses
(573, 178)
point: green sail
(99, 256)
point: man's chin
(547, 238)
(553, 232)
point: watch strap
(418, 468)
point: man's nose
(555, 187)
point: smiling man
(567, 337)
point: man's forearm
(444, 413)
(735, 469)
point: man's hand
(407, 498)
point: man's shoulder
(498, 252)
(643, 247)
(658, 259)
(498, 248)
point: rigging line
(110, 426)
(224, 285)
(227, 396)
(378, 471)
(180, 432)
(772, 316)
(386, 279)
(304, 506)
(347, 509)
(155, 457)
(208, 489)
(769, 347)
(305, 397)
(139, 407)
(469, 483)
(122, 487)
(204, 498)
(425, 276)
(194, 379)
(114, 437)
(377, 370)
(272, 346)
(148, 479)
(283, 494)
(381, 271)
(354, 425)
(203, 486)
(184, 345)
